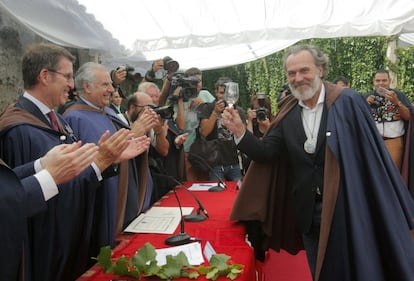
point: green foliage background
(356, 58)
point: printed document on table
(201, 186)
(192, 252)
(163, 220)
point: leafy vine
(144, 264)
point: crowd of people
(76, 173)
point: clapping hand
(135, 147)
(66, 161)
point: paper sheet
(192, 251)
(201, 186)
(162, 220)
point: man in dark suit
(339, 178)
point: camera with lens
(170, 65)
(262, 111)
(165, 112)
(188, 84)
(130, 70)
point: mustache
(298, 84)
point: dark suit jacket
(307, 168)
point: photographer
(259, 115)
(172, 164)
(211, 127)
(186, 114)
(122, 74)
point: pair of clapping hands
(66, 161)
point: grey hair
(86, 73)
(319, 57)
(143, 87)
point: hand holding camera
(262, 111)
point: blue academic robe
(57, 240)
(89, 124)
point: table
(226, 237)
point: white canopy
(205, 33)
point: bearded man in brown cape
(323, 179)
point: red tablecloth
(226, 237)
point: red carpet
(285, 267)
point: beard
(307, 94)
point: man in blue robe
(57, 242)
(121, 197)
(24, 192)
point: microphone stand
(220, 185)
(201, 214)
(182, 237)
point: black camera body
(189, 87)
(261, 114)
(170, 65)
(130, 70)
(165, 112)
(262, 111)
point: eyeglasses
(68, 77)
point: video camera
(262, 111)
(188, 84)
(165, 112)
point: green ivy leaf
(121, 268)
(144, 263)
(234, 272)
(143, 256)
(213, 274)
(174, 264)
(219, 261)
(104, 259)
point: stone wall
(14, 38)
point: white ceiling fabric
(205, 33)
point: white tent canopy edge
(205, 33)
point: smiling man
(59, 234)
(121, 197)
(332, 184)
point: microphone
(182, 237)
(220, 185)
(201, 214)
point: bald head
(143, 99)
(136, 104)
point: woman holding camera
(259, 115)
